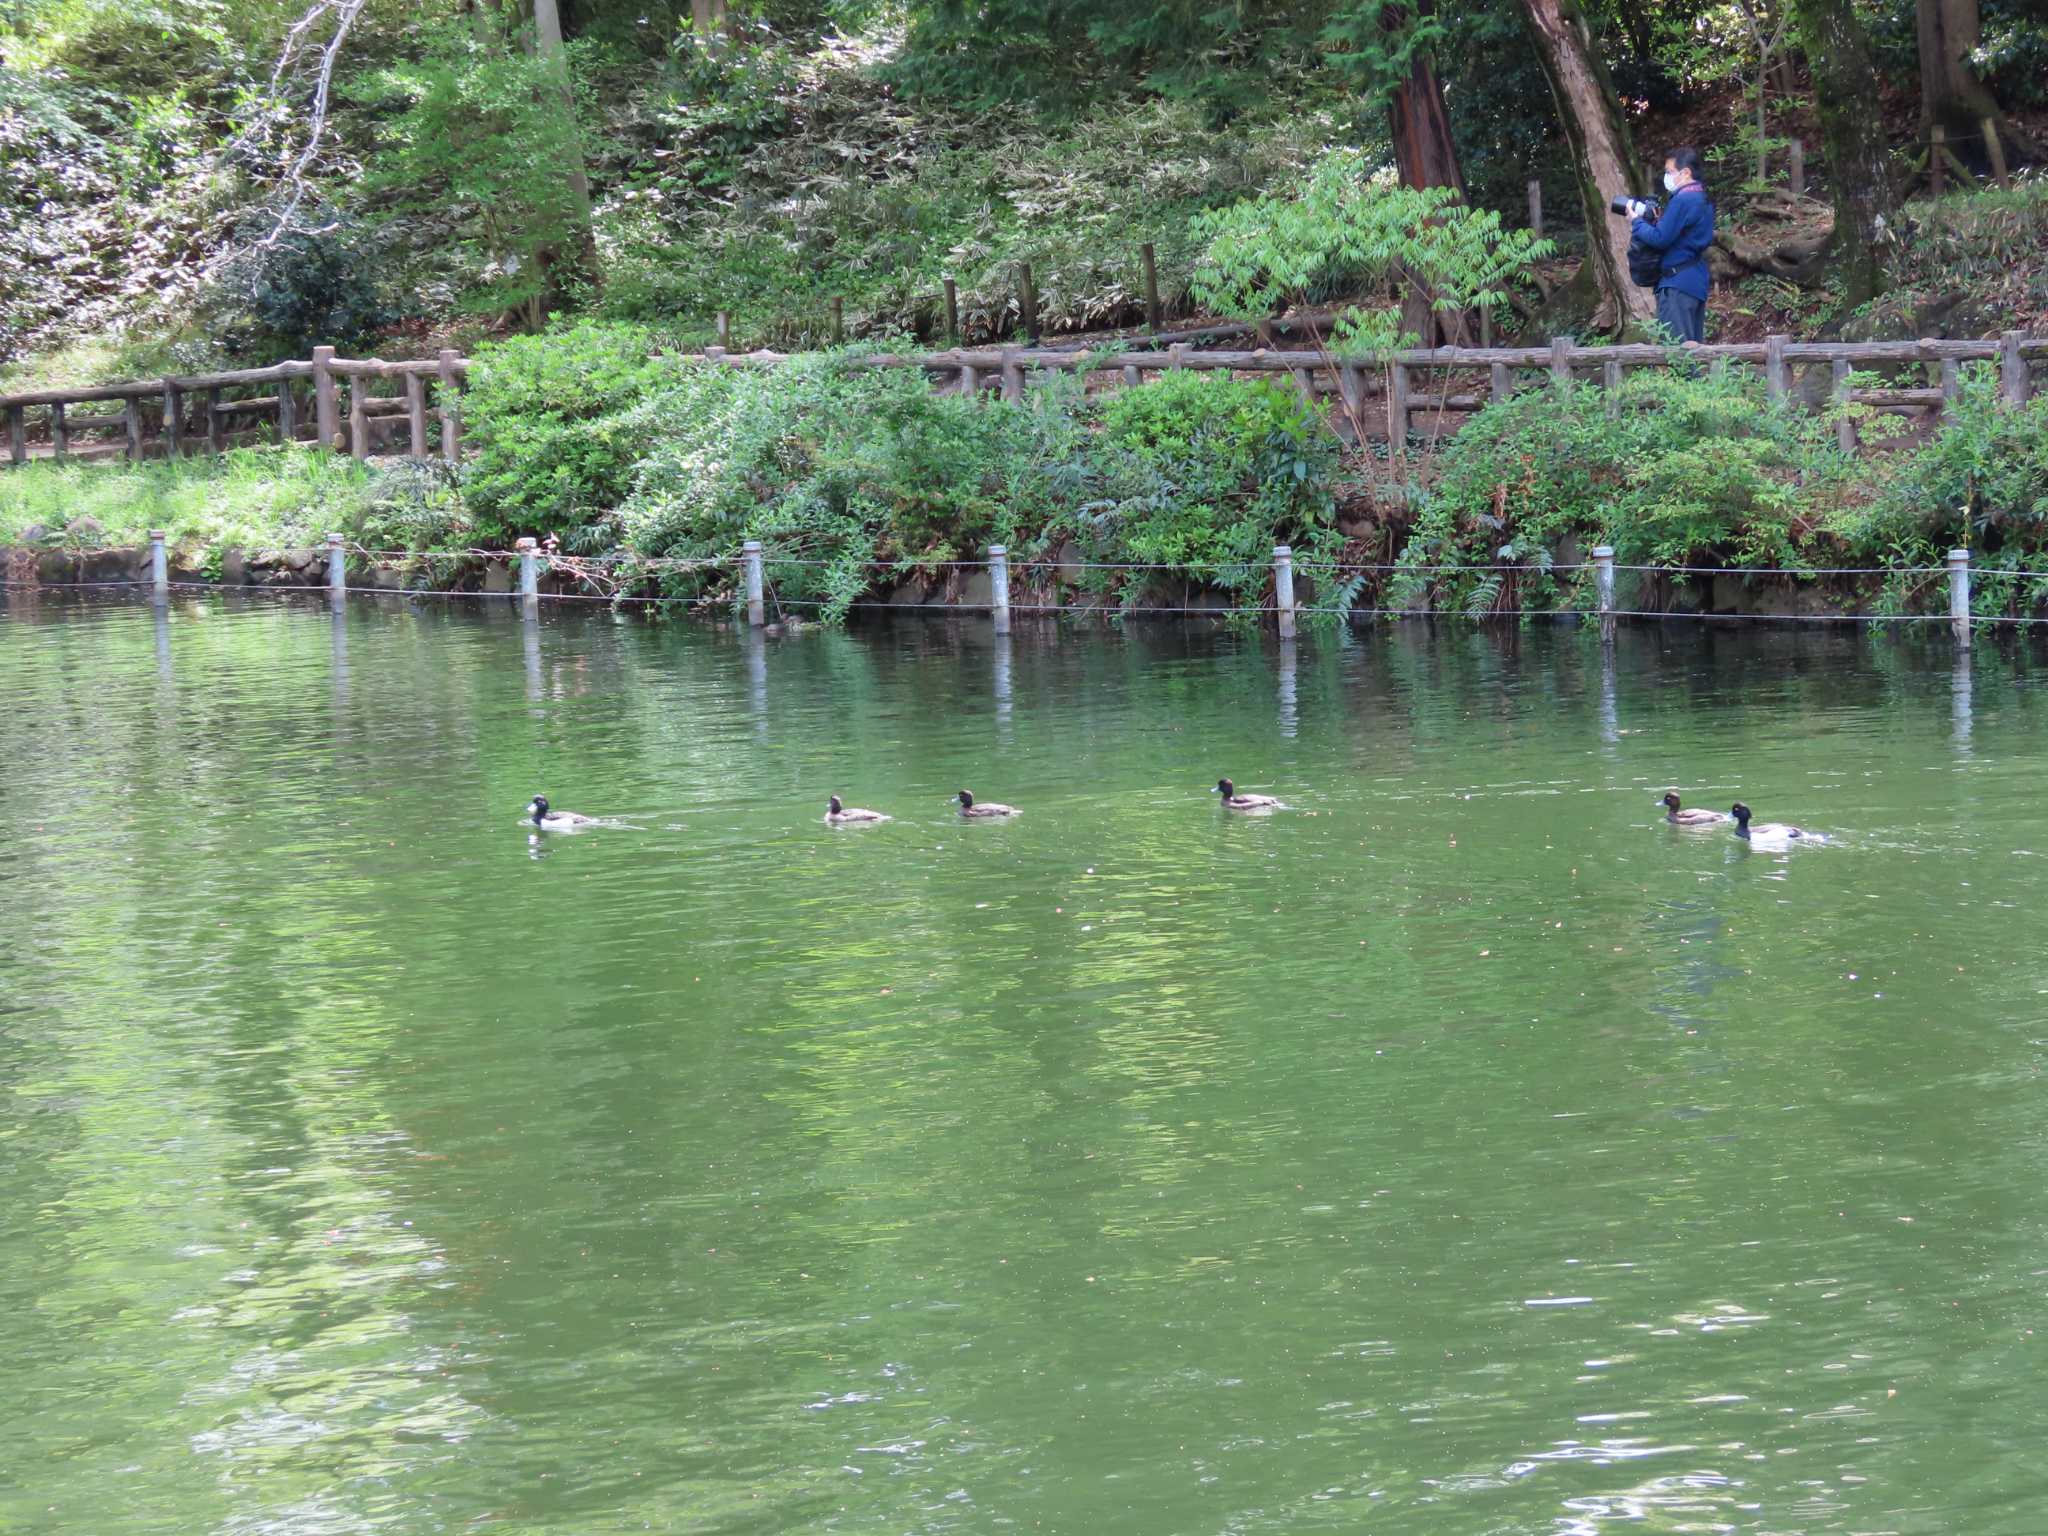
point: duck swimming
(556, 821)
(839, 814)
(1233, 801)
(969, 807)
(1680, 817)
(1769, 831)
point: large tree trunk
(547, 31)
(1859, 171)
(1602, 155)
(1950, 92)
(1426, 156)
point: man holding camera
(1679, 236)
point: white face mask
(1671, 182)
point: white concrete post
(1283, 588)
(1959, 595)
(1603, 588)
(999, 587)
(159, 565)
(757, 608)
(529, 570)
(337, 568)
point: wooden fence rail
(1415, 384)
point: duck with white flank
(555, 821)
(1769, 831)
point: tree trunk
(1426, 156)
(1602, 155)
(1859, 172)
(547, 31)
(1951, 95)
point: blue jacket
(1681, 236)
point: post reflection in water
(755, 646)
(1290, 713)
(529, 650)
(1959, 693)
(1391, 1164)
(999, 682)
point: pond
(1461, 1150)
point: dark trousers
(1682, 314)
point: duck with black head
(849, 815)
(540, 815)
(1676, 813)
(1233, 801)
(978, 809)
(1769, 831)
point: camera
(1619, 207)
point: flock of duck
(837, 813)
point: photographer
(1680, 237)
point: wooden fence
(1427, 389)
(298, 400)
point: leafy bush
(313, 286)
(1980, 481)
(547, 421)
(1690, 469)
(839, 466)
(1213, 470)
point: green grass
(252, 496)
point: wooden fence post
(216, 424)
(359, 416)
(131, 422)
(1133, 375)
(174, 420)
(1951, 386)
(1499, 384)
(2012, 369)
(999, 587)
(750, 566)
(1845, 429)
(447, 397)
(1151, 260)
(60, 433)
(970, 381)
(1777, 380)
(952, 313)
(416, 412)
(1959, 595)
(724, 329)
(1283, 588)
(287, 414)
(1795, 172)
(1996, 152)
(1174, 357)
(326, 409)
(1397, 404)
(1560, 360)
(17, 434)
(1536, 207)
(1610, 388)
(1027, 300)
(1013, 376)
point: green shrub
(1690, 470)
(839, 466)
(546, 422)
(1205, 472)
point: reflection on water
(1464, 1150)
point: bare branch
(318, 35)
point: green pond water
(1460, 1151)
